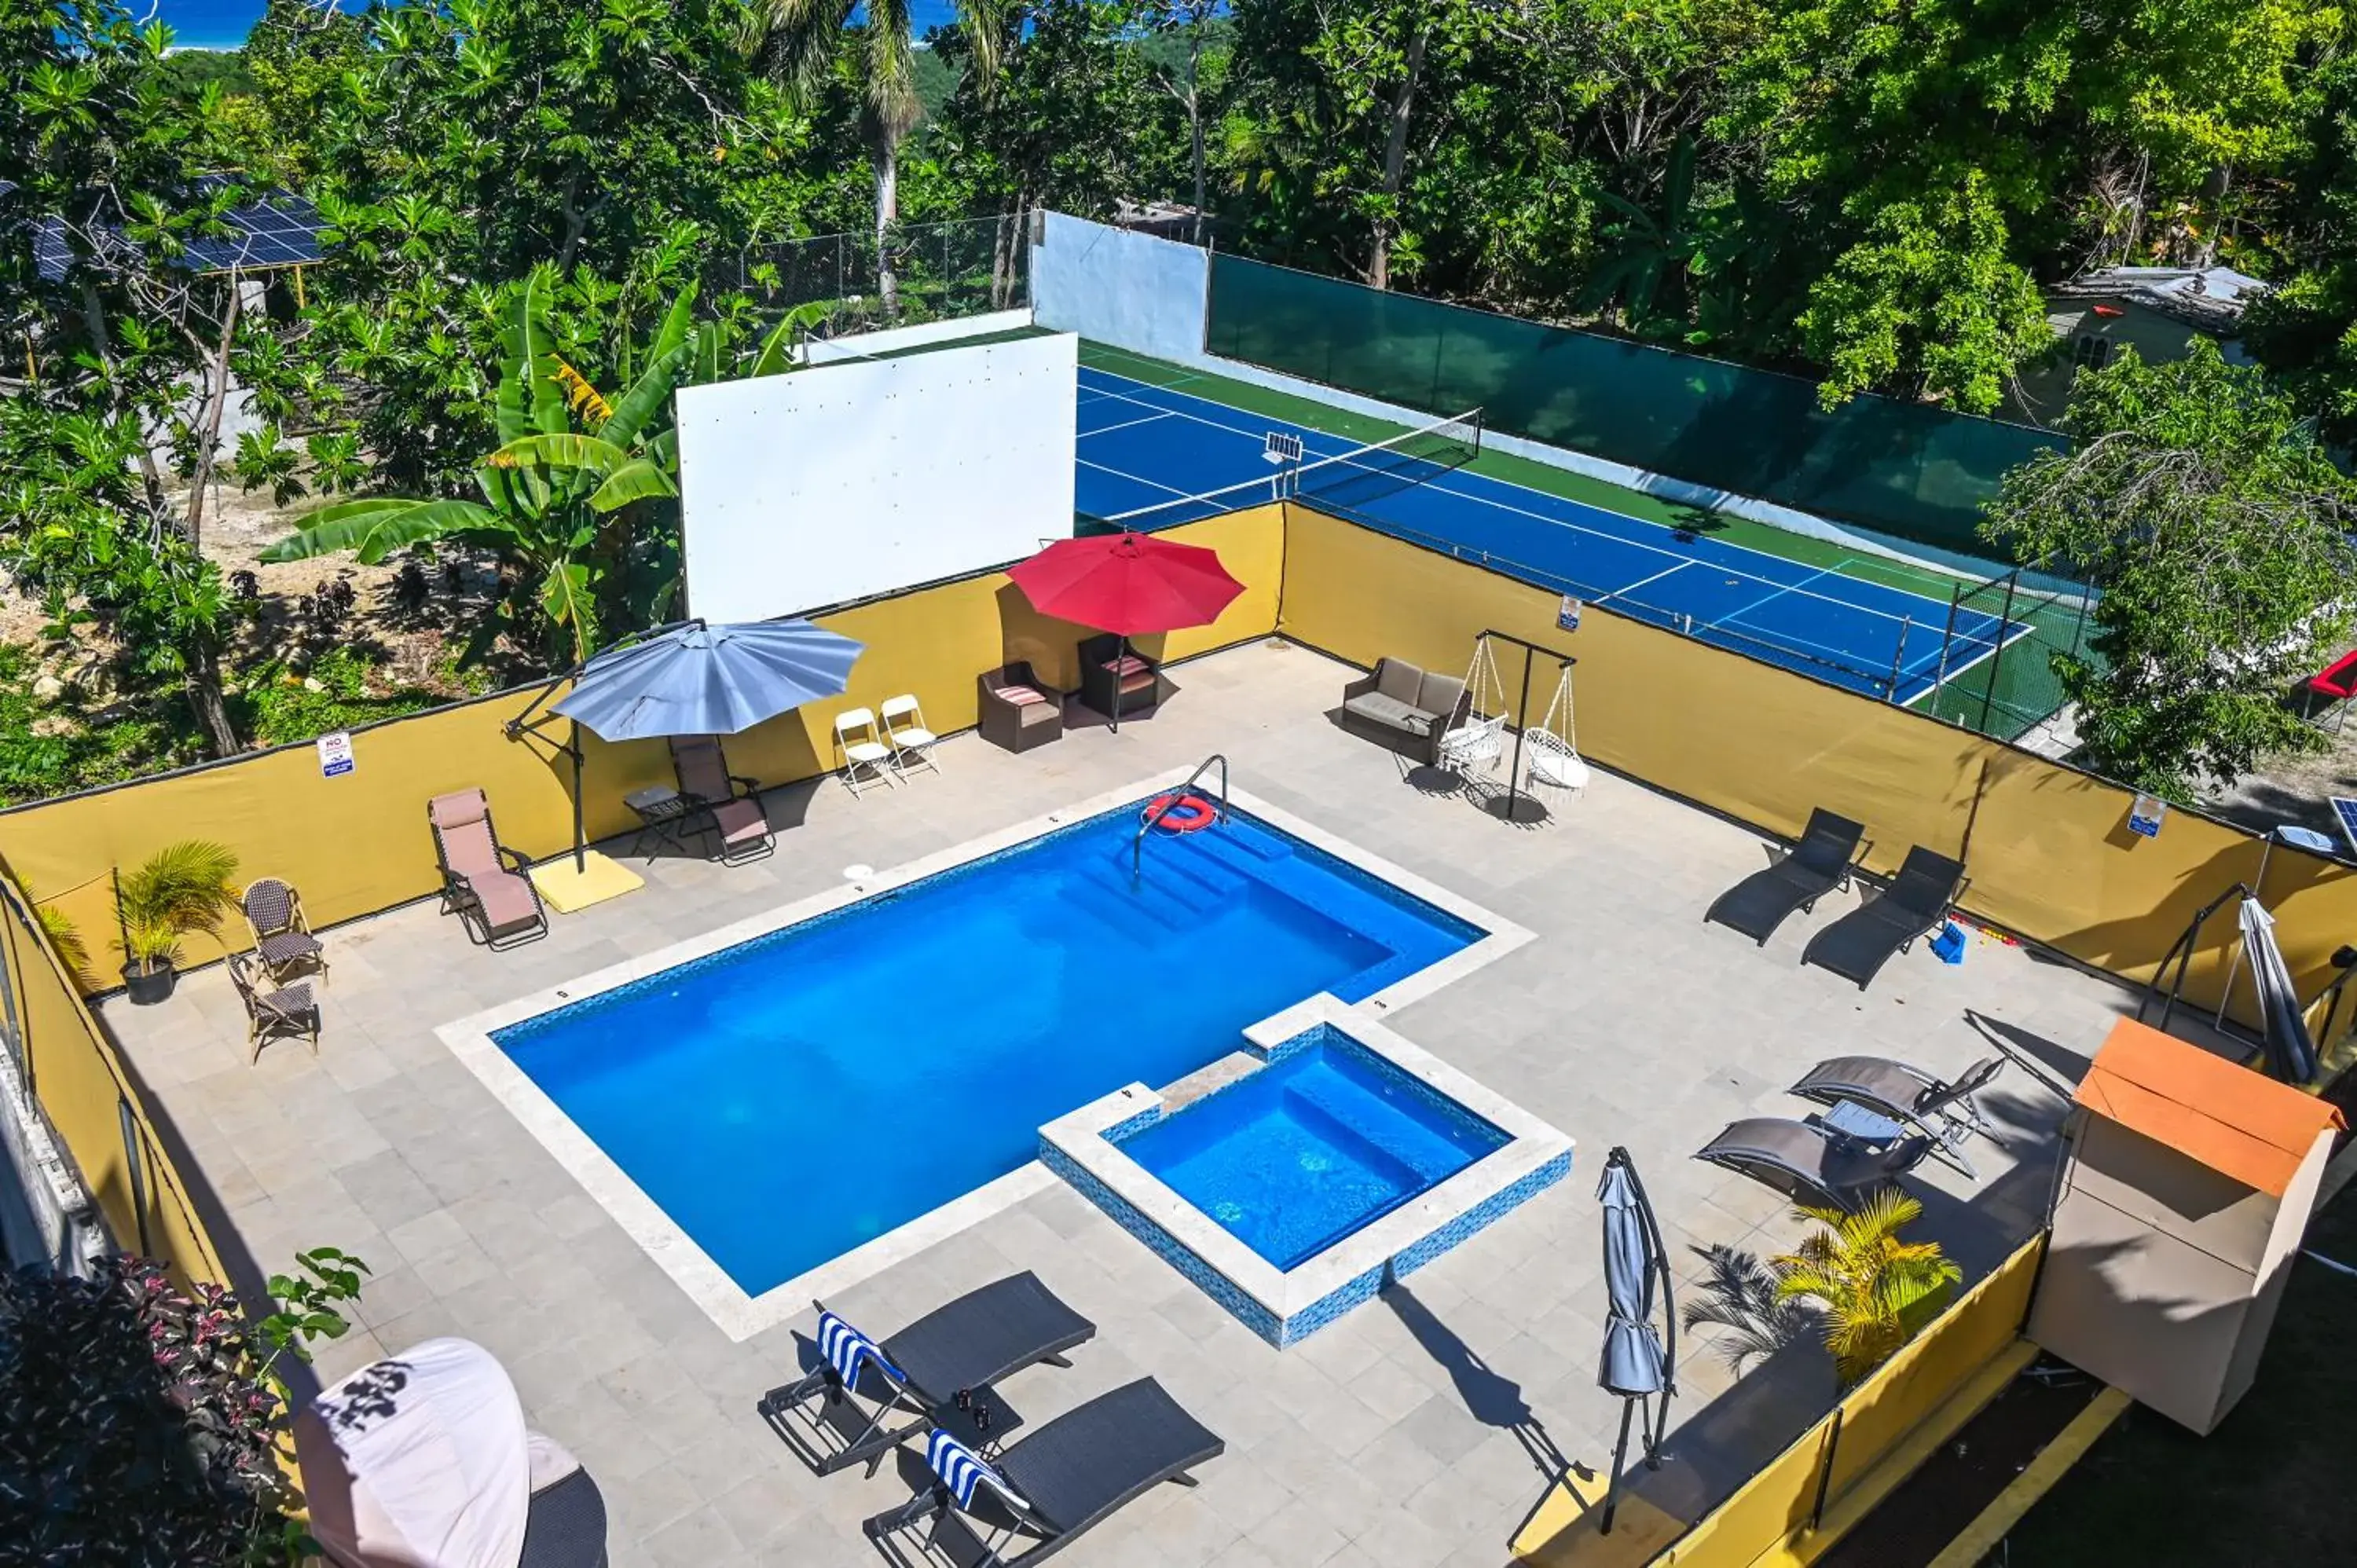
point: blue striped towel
(845, 1348)
(963, 1470)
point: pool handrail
(1163, 808)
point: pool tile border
(741, 1315)
(1284, 1307)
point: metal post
(1947, 641)
(1612, 1481)
(580, 848)
(121, 926)
(2234, 968)
(1996, 659)
(1899, 660)
(1522, 722)
(1826, 1475)
(133, 1146)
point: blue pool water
(1297, 1156)
(789, 1098)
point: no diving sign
(336, 755)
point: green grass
(2270, 1485)
(2026, 691)
(278, 709)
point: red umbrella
(1127, 584)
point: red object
(1186, 814)
(2337, 680)
(1131, 584)
(2110, 310)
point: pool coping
(1286, 1305)
(739, 1313)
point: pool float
(1185, 813)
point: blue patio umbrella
(693, 678)
(1634, 1365)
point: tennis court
(1151, 456)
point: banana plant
(557, 491)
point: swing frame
(1531, 651)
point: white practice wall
(857, 477)
(892, 339)
(1110, 285)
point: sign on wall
(335, 754)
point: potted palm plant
(182, 887)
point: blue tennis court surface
(1152, 456)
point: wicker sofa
(1406, 708)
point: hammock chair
(1480, 740)
(1553, 747)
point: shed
(2186, 1186)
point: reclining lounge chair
(957, 1350)
(1809, 1162)
(1820, 863)
(730, 805)
(1944, 1113)
(483, 881)
(1858, 944)
(1053, 1484)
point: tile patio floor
(1398, 1438)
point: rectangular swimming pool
(789, 1098)
(1311, 1149)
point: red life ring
(1185, 813)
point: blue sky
(223, 23)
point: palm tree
(800, 45)
(1876, 1289)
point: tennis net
(1343, 482)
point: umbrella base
(566, 890)
(1561, 1532)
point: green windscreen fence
(1904, 469)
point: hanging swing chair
(1480, 740)
(1553, 747)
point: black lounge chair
(1053, 1484)
(1944, 1113)
(1858, 944)
(949, 1358)
(1820, 863)
(1810, 1163)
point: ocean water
(788, 1099)
(223, 23)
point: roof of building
(2211, 297)
(2206, 1107)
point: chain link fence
(2006, 685)
(921, 271)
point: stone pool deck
(1410, 1434)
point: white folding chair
(862, 749)
(904, 727)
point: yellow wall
(1768, 1519)
(81, 1085)
(359, 844)
(2048, 848)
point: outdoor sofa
(1405, 708)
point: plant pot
(147, 987)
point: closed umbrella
(693, 678)
(1128, 584)
(2290, 1051)
(1633, 1365)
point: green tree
(2305, 330)
(2199, 502)
(805, 42)
(1875, 1290)
(567, 503)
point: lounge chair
(1014, 710)
(281, 937)
(955, 1351)
(1053, 1484)
(1809, 1162)
(1858, 944)
(1820, 863)
(1944, 1113)
(483, 881)
(862, 752)
(272, 1011)
(729, 804)
(906, 732)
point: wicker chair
(1015, 710)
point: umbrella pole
(1612, 1481)
(1120, 658)
(580, 840)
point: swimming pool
(790, 1098)
(1311, 1149)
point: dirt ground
(2299, 789)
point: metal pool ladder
(1137, 844)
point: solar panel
(2346, 810)
(277, 229)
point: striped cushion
(1127, 664)
(1022, 696)
(845, 1348)
(963, 1471)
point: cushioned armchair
(1117, 680)
(1015, 710)
(1406, 708)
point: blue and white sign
(2143, 817)
(1566, 615)
(336, 755)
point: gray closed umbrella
(695, 678)
(2291, 1052)
(1634, 1364)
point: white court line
(1125, 424)
(1138, 478)
(1949, 678)
(1668, 571)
